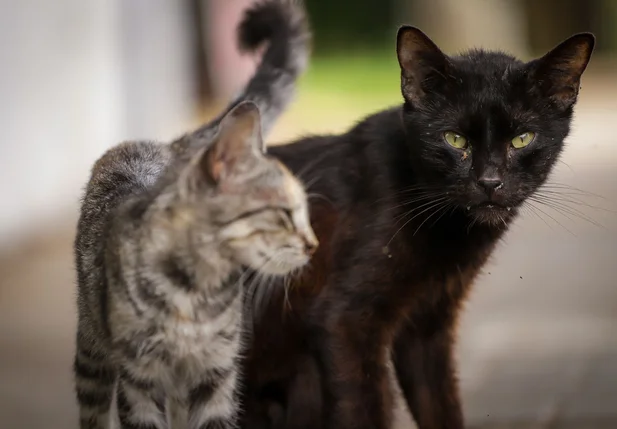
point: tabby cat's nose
(310, 245)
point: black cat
(414, 201)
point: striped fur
(161, 251)
(164, 234)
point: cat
(415, 200)
(160, 262)
(164, 237)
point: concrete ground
(538, 345)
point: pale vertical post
(458, 25)
(229, 70)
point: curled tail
(284, 26)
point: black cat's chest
(438, 263)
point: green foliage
(345, 24)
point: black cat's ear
(423, 65)
(237, 144)
(558, 73)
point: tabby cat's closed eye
(286, 218)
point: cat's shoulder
(129, 154)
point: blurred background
(539, 337)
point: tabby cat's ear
(237, 144)
(423, 65)
(557, 74)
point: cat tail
(283, 25)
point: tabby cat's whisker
(310, 165)
(320, 196)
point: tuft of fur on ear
(557, 74)
(237, 143)
(423, 65)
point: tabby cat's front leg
(94, 383)
(213, 401)
(140, 403)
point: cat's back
(123, 172)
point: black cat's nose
(490, 183)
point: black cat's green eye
(455, 140)
(523, 140)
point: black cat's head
(485, 127)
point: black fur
(405, 222)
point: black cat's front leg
(304, 397)
(358, 390)
(425, 369)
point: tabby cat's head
(254, 209)
(485, 127)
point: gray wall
(77, 77)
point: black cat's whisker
(567, 165)
(558, 196)
(443, 207)
(448, 209)
(408, 212)
(412, 189)
(564, 186)
(503, 221)
(434, 204)
(569, 205)
(562, 202)
(471, 224)
(415, 200)
(567, 211)
(396, 196)
(419, 187)
(533, 210)
(530, 203)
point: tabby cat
(164, 239)
(415, 199)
